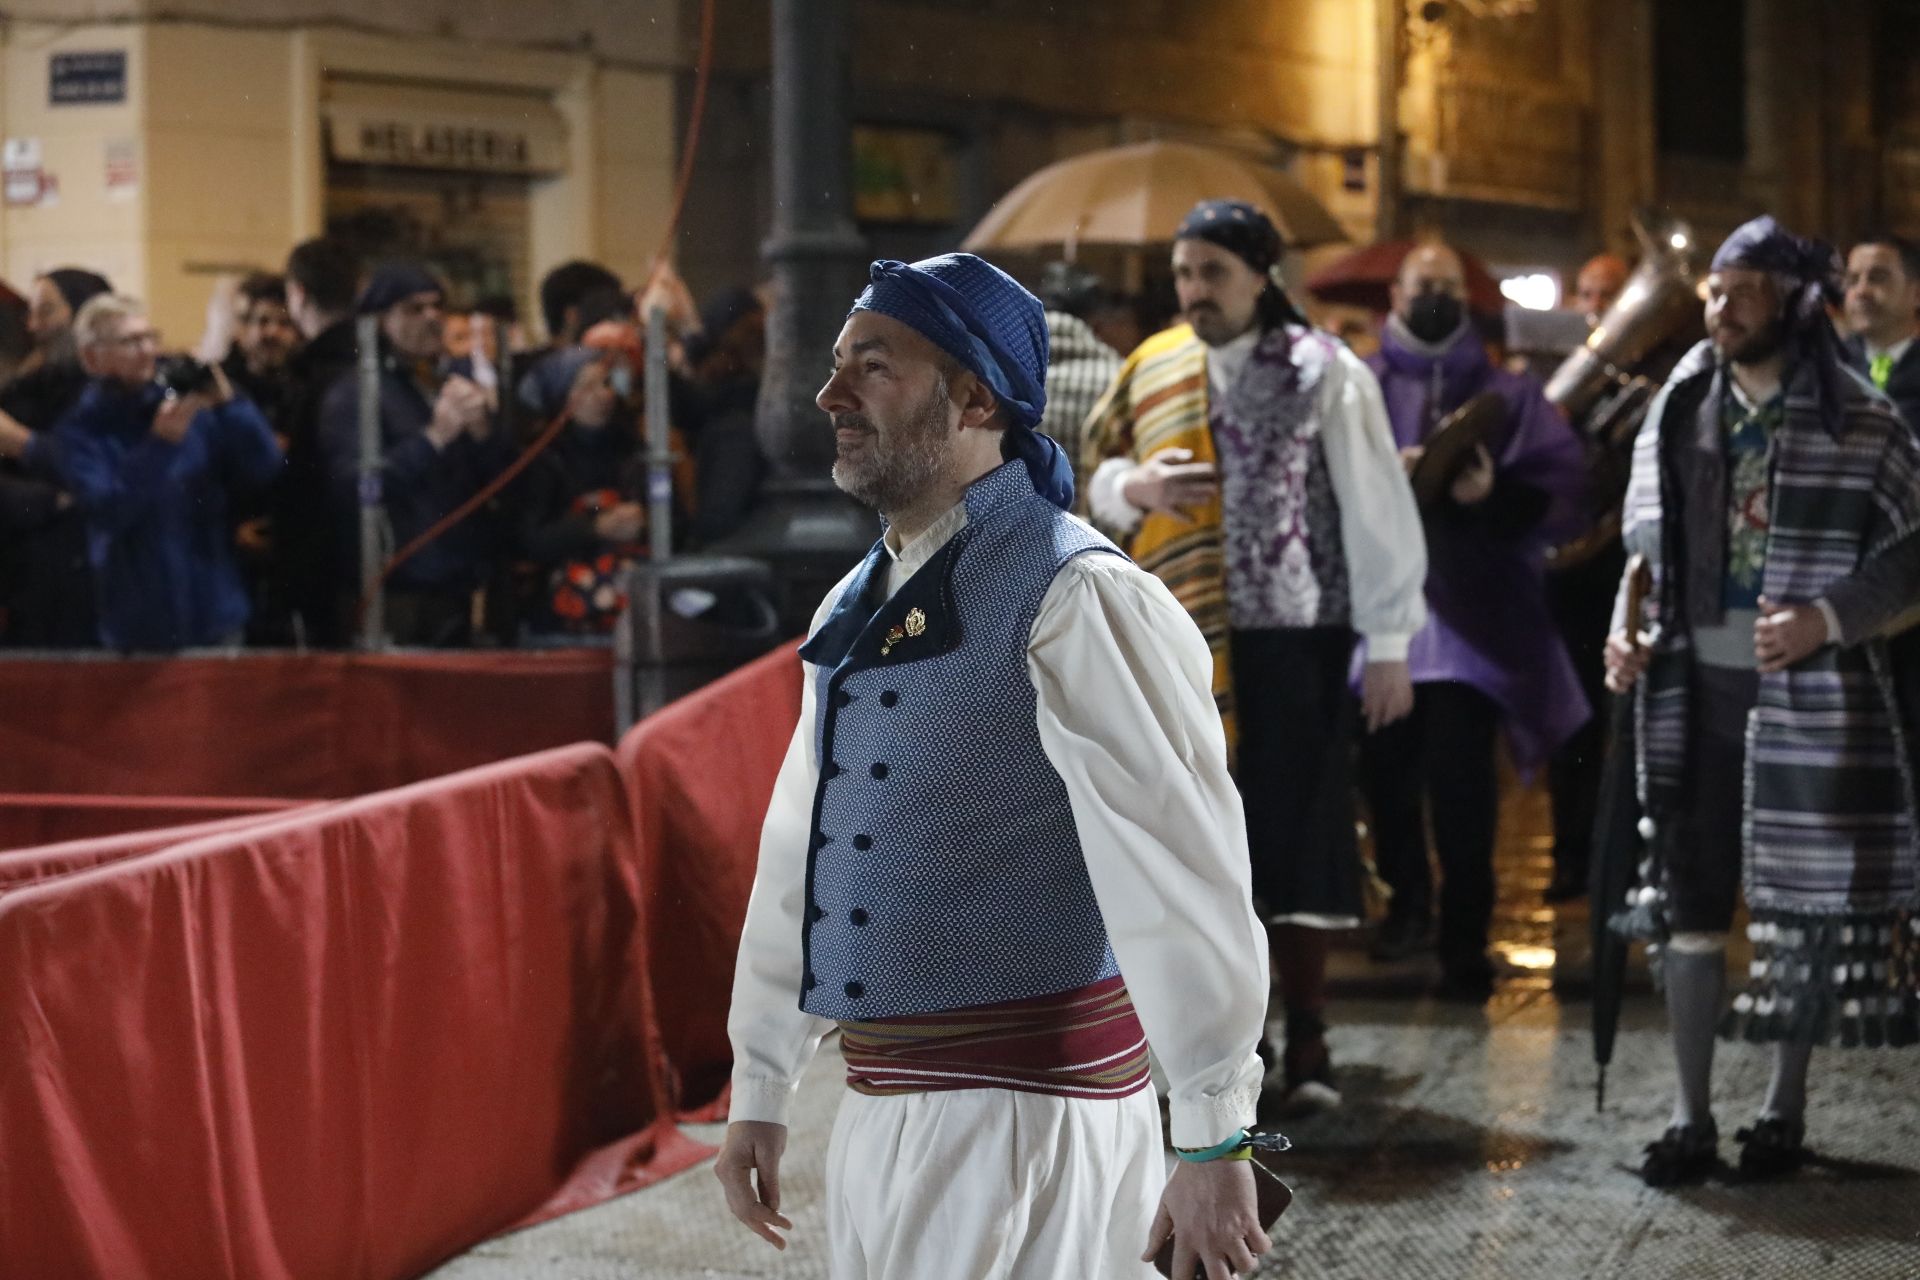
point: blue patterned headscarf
(1812, 271)
(983, 318)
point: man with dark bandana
(1002, 854)
(1777, 497)
(1246, 458)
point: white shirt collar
(908, 558)
(1897, 350)
(1226, 361)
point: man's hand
(1626, 660)
(1171, 483)
(1784, 636)
(1214, 1217)
(753, 1149)
(1386, 693)
(1410, 457)
(459, 406)
(1475, 481)
(622, 523)
(174, 417)
(222, 385)
(14, 438)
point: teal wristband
(1220, 1152)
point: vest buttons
(879, 772)
(809, 982)
(888, 699)
(858, 915)
(855, 991)
(842, 698)
(831, 771)
(817, 912)
(821, 839)
(863, 843)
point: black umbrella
(1616, 852)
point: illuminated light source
(1536, 292)
(1524, 957)
(1678, 240)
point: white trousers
(992, 1184)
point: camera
(182, 375)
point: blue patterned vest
(946, 870)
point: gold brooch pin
(916, 626)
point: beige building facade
(170, 152)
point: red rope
(689, 150)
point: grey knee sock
(1696, 984)
(1787, 1091)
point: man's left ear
(978, 406)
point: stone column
(804, 526)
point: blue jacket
(159, 535)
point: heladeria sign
(87, 79)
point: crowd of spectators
(158, 502)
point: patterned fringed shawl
(1159, 402)
(1832, 841)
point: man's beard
(1757, 347)
(1210, 325)
(896, 475)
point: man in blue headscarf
(1776, 496)
(1003, 852)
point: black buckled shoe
(1685, 1153)
(1773, 1148)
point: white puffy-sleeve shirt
(1380, 532)
(1126, 716)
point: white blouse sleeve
(773, 1038)
(1126, 716)
(1107, 502)
(1380, 531)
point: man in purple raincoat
(1489, 656)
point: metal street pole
(807, 529)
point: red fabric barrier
(309, 726)
(345, 1044)
(701, 771)
(45, 861)
(28, 821)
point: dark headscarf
(394, 283)
(1249, 234)
(983, 318)
(77, 287)
(1812, 273)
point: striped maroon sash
(1084, 1043)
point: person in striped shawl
(1776, 495)
(1246, 460)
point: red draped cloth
(349, 1041)
(702, 772)
(295, 725)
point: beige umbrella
(1137, 195)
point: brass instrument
(1605, 386)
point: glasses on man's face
(150, 338)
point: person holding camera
(438, 449)
(154, 453)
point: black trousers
(1440, 758)
(1701, 853)
(1581, 601)
(1295, 769)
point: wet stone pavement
(1468, 1147)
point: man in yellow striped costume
(1245, 459)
